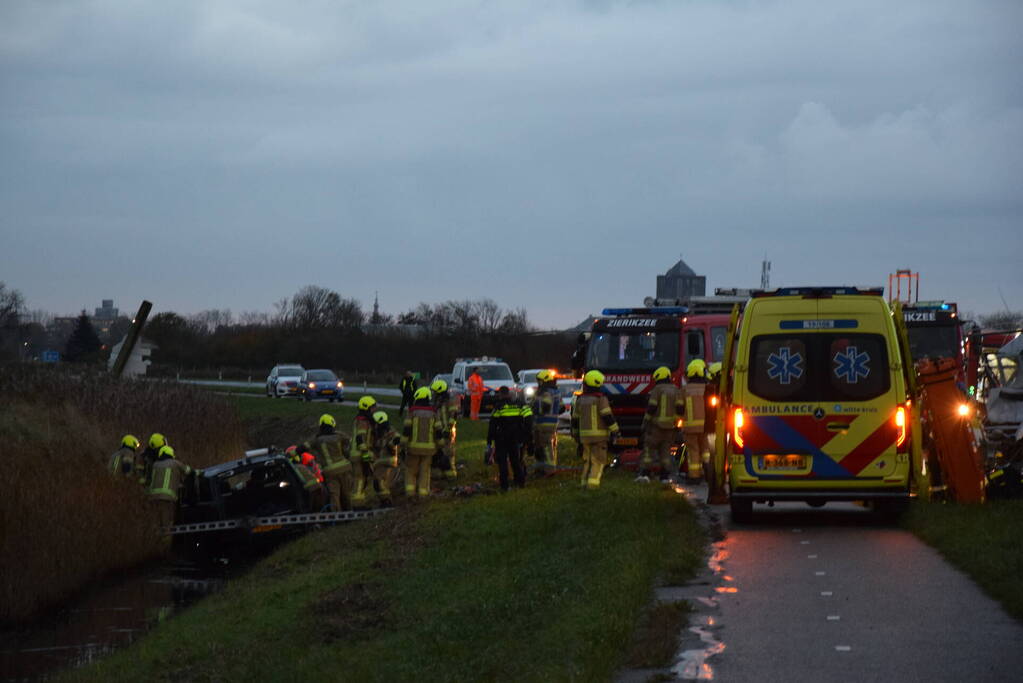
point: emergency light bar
(650, 310)
(819, 292)
(934, 305)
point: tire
(741, 509)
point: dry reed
(64, 519)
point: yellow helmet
(696, 368)
(168, 451)
(157, 441)
(380, 417)
(715, 369)
(439, 387)
(594, 378)
(130, 441)
(421, 393)
(662, 372)
(328, 420)
(544, 376)
(367, 402)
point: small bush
(64, 519)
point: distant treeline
(319, 328)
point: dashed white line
(833, 617)
(819, 573)
(844, 648)
(826, 594)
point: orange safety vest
(475, 385)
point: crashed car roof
(248, 462)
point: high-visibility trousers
(545, 448)
(417, 475)
(697, 452)
(657, 445)
(474, 406)
(362, 479)
(444, 458)
(594, 462)
(339, 488)
(384, 472)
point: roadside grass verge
(541, 584)
(981, 540)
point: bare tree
(489, 314)
(254, 319)
(515, 322)
(316, 307)
(208, 321)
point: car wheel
(741, 509)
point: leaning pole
(133, 336)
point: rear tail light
(963, 410)
(737, 420)
(900, 426)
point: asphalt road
(834, 594)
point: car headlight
(312, 385)
(530, 391)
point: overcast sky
(550, 155)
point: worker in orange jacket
(476, 389)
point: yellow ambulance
(819, 406)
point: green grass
(982, 540)
(546, 583)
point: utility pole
(133, 336)
(765, 274)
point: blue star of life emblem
(852, 365)
(784, 365)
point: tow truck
(628, 344)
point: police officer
(697, 444)
(594, 427)
(167, 475)
(420, 434)
(122, 462)
(408, 388)
(385, 464)
(446, 406)
(332, 449)
(364, 450)
(506, 434)
(546, 408)
(660, 428)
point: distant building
(138, 361)
(681, 282)
(106, 311)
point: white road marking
(826, 594)
(819, 573)
(811, 557)
(833, 617)
(843, 648)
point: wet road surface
(834, 594)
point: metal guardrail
(254, 523)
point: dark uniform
(506, 434)
(408, 388)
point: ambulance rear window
(819, 367)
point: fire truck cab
(628, 344)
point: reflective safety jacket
(309, 480)
(387, 442)
(166, 479)
(507, 425)
(665, 406)
(407, 386)
(546, 407)
(309, 460)
(526, 413)
(331, 450)
(694, 407)
(711, 403)
(144, 464)
(592, 419)
(362, 437)
(123, 461)
(475, 383)
(422, 430)
(446, 406)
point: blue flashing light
(652, 310)
(944, 307)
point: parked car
(569, 388)
(321, 384)
(283, 380)
(442, 376)
(495, 374)
(527, 384)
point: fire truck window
(694, 344)
(637, 351)
(717, 342)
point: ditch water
(105, 617)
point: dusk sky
(555, 156)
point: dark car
(321, 384)
(254, 486)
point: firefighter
(144, 463)
(363, 448)
(505, 435)
(446, 406)
(476, 388)
(546, 408)
(660, 428)
(168, 472)
(697, 444)
(594, 427)
(332, 450)
(123, 460)
(385, 464)
(315, 496)
(408, 388)
(419, 437)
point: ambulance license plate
(782, 462)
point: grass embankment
(542, 584)
(981, 540)
(64, 519)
